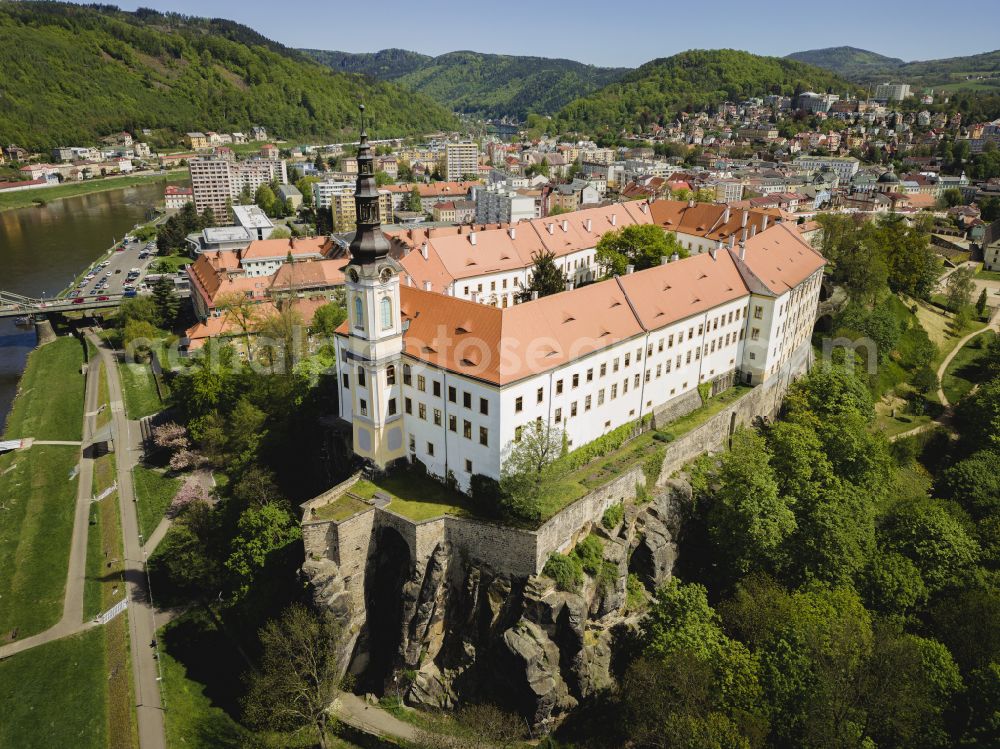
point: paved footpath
(141, 615)
(354, 711)
(994, 324)
(71, 621)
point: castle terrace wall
(561, 531)
(519, 552)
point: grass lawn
(39, 499)
(49, 405)
(104, 542)
(48, 194)
(966, 369)
(890, 424)
(416, 496)
(170, 264)
(153, 492)
(341, 508)
(103, 418)
(987, 275)
(53, 696)
(141, 398)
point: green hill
(975, 72)
(689, 81)
(73, 73)
(849, 62)
(474, 82)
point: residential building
(218, 182)
(343, 209)
(461, 159)
(198, 140)
(291, 195)
(844, 166)
(175, 197)
(497, 203)
(455, 211)
(892, 91)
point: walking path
(994, 324)
(71, 621)
(141, 615)
(354, 711)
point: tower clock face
(353, 275)
(384, 275)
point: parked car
(78, 300)
(129, 293)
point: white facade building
(497, 203)
(461, 159)
(470, 377)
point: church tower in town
(375, 342)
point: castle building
(452, 383)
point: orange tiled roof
(780, 259)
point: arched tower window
(385, 307)
(359, 313)
(390, 374)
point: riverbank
(23, 198)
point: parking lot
(123, 273)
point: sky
(609, 33)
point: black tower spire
(369, 243)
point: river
(43, 248)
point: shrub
(635, 593)
(641, 495)
(590, 553)
(565, 571)
(663, 437)
(613, 516)
(705, 391)
(606, 577)
(485, 491)
(601, 446)
(653, 464)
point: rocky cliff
(454, 630)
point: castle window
(430, 448)
(452, 394)
(408, 405)
(364, 407)
(385, 307)
(422, 411)
(361, 377)
(392, 406)
(390, 375)
(406, 374)
(359, 313)
(468, 466)
(421, 383)
(484, 436)
(558, 415)
(437, 417)
(484, 407)
(518, 405)
(467, 429)
(452, 424)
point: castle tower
(376, 334)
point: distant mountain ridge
(980, 71)
(477, 82)
(695, 79)
(72, 73)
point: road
(142, 624)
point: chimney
(753, 230)
(665, 259)
(743, 251)
(614, 219)
(763, 222)
(726, 215)
(409, 280)
(423, 250)
(565, 225)
(712, 252)
(587, 224)
(732, 240)
(472, 238)
(629, 269)
(551, 228)
(690, 202)
(644, 207)
(746, 215)
(534, 296)
(569, 286)
(743, 235)
(675, 257)
(428, 286)
(512, 232)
